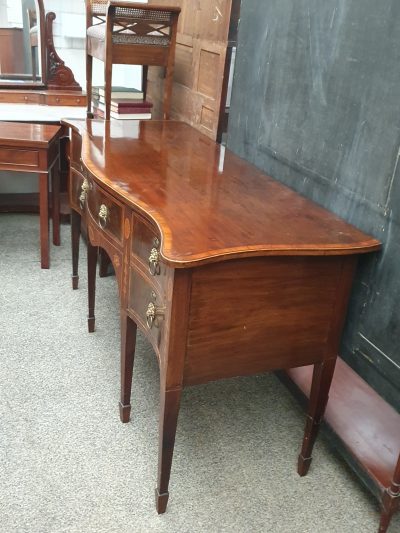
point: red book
(128, 110)
(118, 103)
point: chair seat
(98, 32)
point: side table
(34, 148)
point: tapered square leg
(321, 382)
(92, 252)
(55, 189)
(75, 240)
(128, 344)
(44, 219)
(169, 410)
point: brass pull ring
(154, 265)
(152, 314)
(103, 216)
(84, 193)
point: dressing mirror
(22, 44)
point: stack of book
(126, 103)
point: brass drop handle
(154, 265)
(103, 216)
(152, 313)
(84, 192)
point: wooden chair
(130, 33)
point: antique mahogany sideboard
(225, 270)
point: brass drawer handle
(103, 216)
(152, 314)
(84, 193)
(154, 265)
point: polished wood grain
(35, 148)
(164, 169)
(226, 271)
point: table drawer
(106, 211)
(66, 99)
(148, 308)
(146, 250)
(20, 98)
(15, 157)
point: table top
(39, 113)
(208, 203)
(27, 135)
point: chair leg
(34, 67)
(169, 72)
(107, 87)
(89, 72)
(145, 71)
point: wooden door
(199, 64)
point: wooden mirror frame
(55, 75)
(34, 84)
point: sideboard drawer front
(14, 157)
(105, 211)
(141, 295)
(145, 238)
(146, 250)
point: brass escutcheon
(84, 192)
(152, 314)
(154, 265)
(103, 216)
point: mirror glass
(20, 42)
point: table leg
(169, 410)
(44, 219)
(321, 382)
(75, 240)
(56, 205)
(91, 266)
(128, 345)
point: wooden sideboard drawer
(146, 250)
(105, 211)
(14, 157)
(66, 99)
(21, 98)
(78, 190)
(148, 308)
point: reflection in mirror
(20, 41)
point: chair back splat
(123, 32)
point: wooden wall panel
(199, 64)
